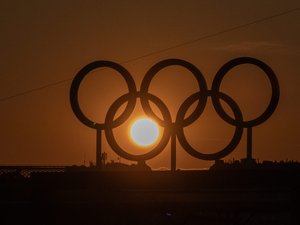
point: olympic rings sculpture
(176, 128)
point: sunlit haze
(44, 44)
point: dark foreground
(184, 197)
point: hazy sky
(44, 42)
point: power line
(35, 89)
(167, 49)
(216, 34)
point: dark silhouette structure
(235, 193)
(174, 130)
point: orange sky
(43, 42)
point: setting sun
(144, 132)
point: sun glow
(144, 132)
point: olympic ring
(75, 88)
(274, 84)
(235, 139)
(174, 128)
(114, 145)
(171, 62)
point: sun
(144, 132)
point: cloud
(250, 46)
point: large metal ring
(109, 124)
(75, 88)
(272, 78)
(161, 65)
(235, 139)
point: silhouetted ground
(254, 165)
(219, 196)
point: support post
(99, 149)
(249, 144)
(173, 152)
